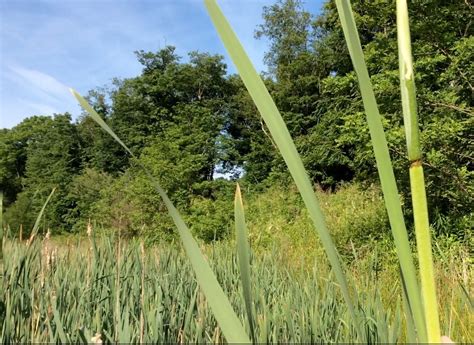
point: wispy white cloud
(34, 93)
(41, 81)
(85, 43)
(41, 108)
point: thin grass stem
(417, 180)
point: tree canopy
(192, 123)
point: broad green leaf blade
(34, 231)
(218, 301)
(384, 165)
(282, 138)
(226, 318)
(243, 253)
(59, 325)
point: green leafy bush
(355, 215)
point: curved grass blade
(59, 325)
(411, 333)
(189, 312)
(243, 253)
(283, 140)
(92, 113)
(384, 166)
(34, 231)
(226, 318)
(417, 180)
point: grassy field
(75, 289)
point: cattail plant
(289, 305)
(417, 181)
(142, 295)
(281, 136)
(89, 252)
(424, 310)
(384, 166)
(425, 313)
(118, 258)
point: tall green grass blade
(26, 210)
(227, 319)
(59, 325)
(218, 301)
(283, 140)
(417, 181)
(243, 252)
(395, 329)
(35, 229)
(189, 312)
(411, 332)
(384, 166)
(83, 337)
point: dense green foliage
(189, 122)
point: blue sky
(47, 46)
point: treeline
(190, 122)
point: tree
(287, 28)
(97, 149)
(442, 47)
(50, 146)
(299, 59)
(318, 96)
(13, 156)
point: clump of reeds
(289, 305)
